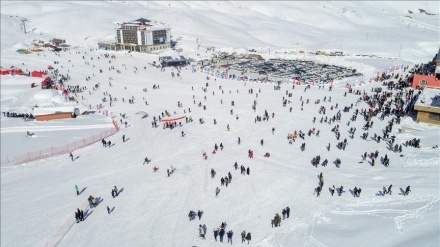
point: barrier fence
(62, 231)
(59, 150)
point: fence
(56, 239)
(54, 151)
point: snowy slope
(38, 198)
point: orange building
(422, 81)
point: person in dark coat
(287, 211)
(199, 213)
(81, 215)
(407, 191)
(247, 171)
(215, 234)
(71, 156)
(221, 234)
(77, 217)
(248, 237)
(229, 235)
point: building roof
(142, 20)
(429, 98)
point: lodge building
(140, 35)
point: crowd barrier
(54, 151)
(62, 231)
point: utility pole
(24, 24)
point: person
(201, 232)
(109, 143)
(273, 130)
(146, 160)
(284, 212)
(215, 233)
(247, 171)
(123, 138)
(221, 234)
(243, 235)
(183, 134)
(389, 189)
(261, 142)
(191, 215)
(108, 210)
(113, 193)
(248, 237)
(77, 190)
(407, 191)
(332, 190)
(116, 191)
(199, 213)
(217, 190)
(168, 172)
(71, 156)
(287, 211)
(90, 199)
(229, 235)
(239, 141)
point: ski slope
(37, 198)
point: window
(434, 116)
(423, 83)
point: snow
(38, 197)
(430, 97)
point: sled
(155, 168)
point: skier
(236, 166)
(81, 215)
(199, 214)
(247, 171)
(261, 142)
(168, 172)
(109, 144)
(77, 190)
(389, 189)
(71, 156)
(108, 210)
(284, 212)
(287, 211)
(113, 193)
(239, 141)
(407, 191)
(273, 130)
(243, 236)
(123, 138)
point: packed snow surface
(38, 198)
